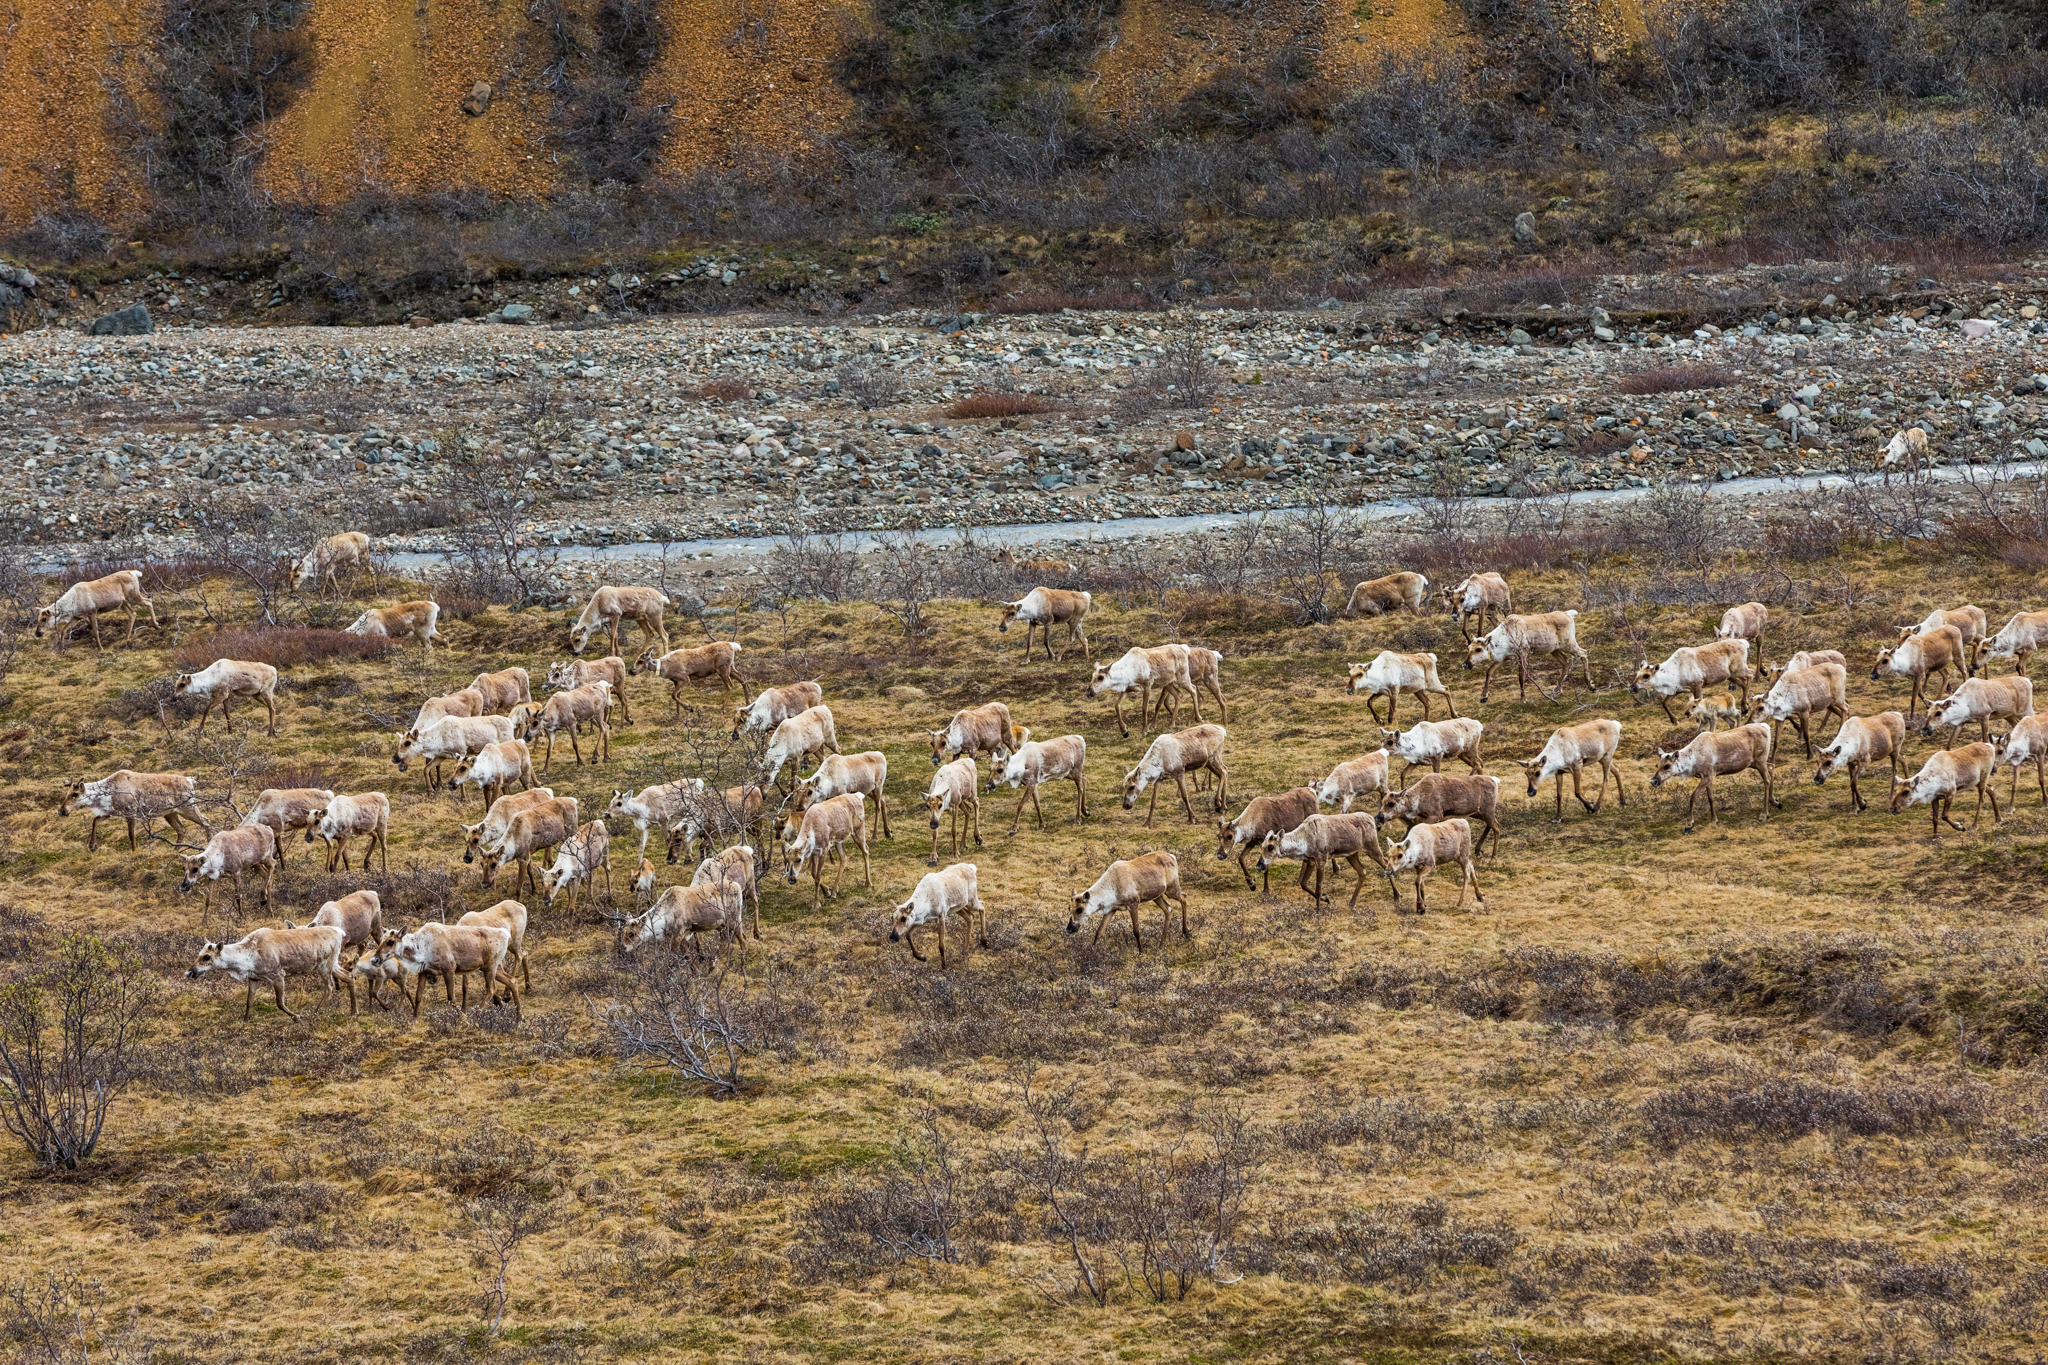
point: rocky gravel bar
(703, 427)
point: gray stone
(19, 278)
(478, 99)
(516, 313)
(1603, 334)
(1601, 318)
(132, 321)
(1518, 337)
(1525, 229)
(686, 604)
(728, 276)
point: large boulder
(132, 321)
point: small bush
(998, 405)
(21, 933)
(870, 386)
(399, 518)
(70, 1034)
(1676, 379)
(1788, 1107)
(723, 390)
(282, 648)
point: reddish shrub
(1676, 379)
(998, 405)
(281, 648)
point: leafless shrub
(1168, 1214)
(912, 1209)
(906, 579)
(1059, 1178)
(1408, 1246)
(1447, 525)
(65, 1317)
(668, 1017)
(2009, 517)
(1673, 523)
(487, 1161)
(1177, 1206)
(870, 386)
(1791, 1107)
(70, 1041)
(1675, 379)
(499, 1224)
(494, 560)
(281, 647)
(1304, 553)
(983, 405)
(723, 390)
(805, 563)
(1183, 376)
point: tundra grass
(1768, 1090)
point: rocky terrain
(675, 428)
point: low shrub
(723, 390)
(1676, 379)
(1779, 1106)
(281, 648)
(998, 405)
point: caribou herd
(485, 735)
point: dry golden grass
(1766, 1090)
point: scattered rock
(478, 99)
(515, 313)
(132, 321)
(1525, 229)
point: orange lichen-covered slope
(58, 64)
(384, 105)
(747, 76)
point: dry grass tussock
(1769, 1089)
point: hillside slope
(381, 103)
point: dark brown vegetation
(1676, 379)
(282, 647)
(982, 405)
